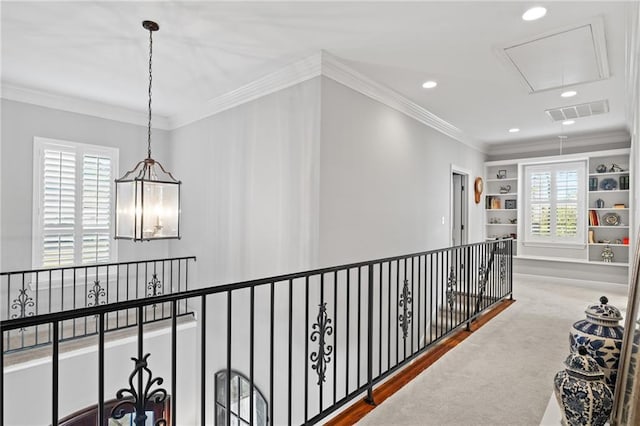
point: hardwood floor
(358, 410)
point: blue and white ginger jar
(583, 396)
(601, 334)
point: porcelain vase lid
(581, 364)
(604, 312)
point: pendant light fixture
(148, 197)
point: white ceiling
(98, 51)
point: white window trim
(580, 241)
(39, 144)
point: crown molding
(80, 106)
(288, 76)
(548, 144)
(335, 69)
(321, 63)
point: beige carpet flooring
(503, 373)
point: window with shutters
(555, 203)
(73, 203)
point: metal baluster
(144, 289)
(380, 322)
(404, 341)
(163, 290)
(174, 360)
(74, 300)
(203, 358)
(54, 375)
(2, 376)
(359, 315)
(50, 297)
(335, 332)
(437, 301)
(306, 348)
(290, 358)
(179, 274)
(419, 299)
(23, 313)
(369, 399)
(348, 342)
(321, 381)
(389, 318)
(431, 299)
(86, 298)
(511, 270)
(397, 311)
(271, 420)
(127, 284)
(118, 295)
(37, 306)
(62, 299)
(467, 265)
(229, 343)
(186, 282)
(9, 307)
(413, 292)
(137, 283)
(251, 348)
(101, 415)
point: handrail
(353, 326)
(94, 265)
(17, 323)
(46, 291)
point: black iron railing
(39, 291)
(310, 341)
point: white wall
(20, 123)
(28, 385)
(385, 180)
(250, 187)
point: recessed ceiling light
(514, 130)
(534, 13)
(429, 84)
(568, 93)
(568, 122)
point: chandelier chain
(150, 81)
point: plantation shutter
(96, 209)
(555, 210)
(73, 203)
(567, 203)
(58, 207)
(540, 204)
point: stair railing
(309, 342)
(33, 292)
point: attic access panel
(561, 58)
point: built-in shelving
(500, 192)
(601, 202)
(609, 173)
(503, 180)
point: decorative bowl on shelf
(608, 184)
(601, 168)
(611, 219)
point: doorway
(459, 207)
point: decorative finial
(604, 300)
(150, 25)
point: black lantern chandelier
(148, 197)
